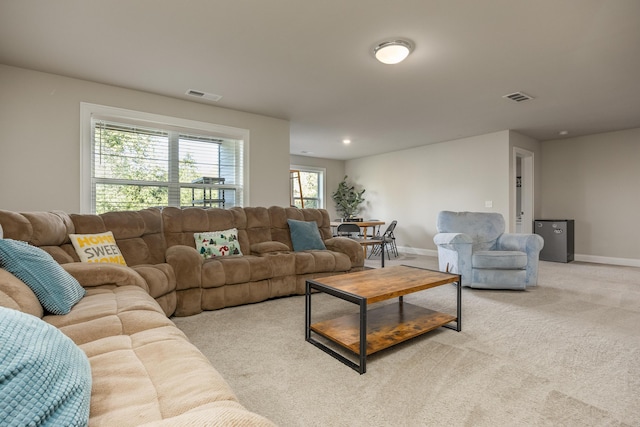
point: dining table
(364, 225)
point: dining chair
(388, 239)
(348, 230)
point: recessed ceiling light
(346, 141)
(392, 51)
(563, 132)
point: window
(135, 160)
(312, 185)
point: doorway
(522, 209)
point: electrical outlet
(488, 203)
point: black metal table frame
(362, 303)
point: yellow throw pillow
(97, 248)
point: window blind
(135, 166)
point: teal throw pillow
(56, 289)
(45, 379)
(305, 235)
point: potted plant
(347, 199)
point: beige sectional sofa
(144, 370)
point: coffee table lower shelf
(386, 326)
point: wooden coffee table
(377, 328)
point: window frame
(89, 111)
(321, 182)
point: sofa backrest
(254, 224)
(179, 225)
(138, 234)
(15, 294)
(484, 228)
(47, 230)
(280, 227)
(143, 236)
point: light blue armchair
(474, 245)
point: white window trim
(323, 185)
(89, 111)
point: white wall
(40, 140)
(595, 180)
(334, 174)
(412, 186)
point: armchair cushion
(501, 260)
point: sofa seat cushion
(110, 311)
(149, 376)
(500, 260)
(321, 262)
(246, 268)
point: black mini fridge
(558, 239)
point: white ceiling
(310, 62)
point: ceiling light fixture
(346, 141)
(392, 52)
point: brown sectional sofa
(144, 370)
(270, 268)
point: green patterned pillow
(212, 244)
(56, 289)
(45, 379)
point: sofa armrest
(159, 277)
(451, 240)
(162, 284)
(454, 254)
(347, 246)
(268, 247)
(187, 266)
(219, 413)
(91, 274)
(529, 243)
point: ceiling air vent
(204, 95)
(518, 96)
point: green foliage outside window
(310, 190)
(139, 157)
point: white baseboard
(418, 251)
(627, 262)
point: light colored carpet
(566, 353)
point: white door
(522, 213)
